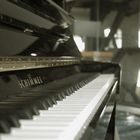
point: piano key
(28, 138)
(4, 126)
(23, 114)
(42, 129)
(80, 114)
(45, 122)
(80, 120)
(12, 120)
(47, 119)
(49, 129)
(38, 134)
(20, 114)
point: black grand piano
(47, 90)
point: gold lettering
(21, 84)
(31, 81)
(28, 82)
(25, 83)
(35, 81)
(40, 80)
(22, 81)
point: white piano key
(45, 113)
(43, 129)
(52, 115)
(73, 131)
(68, 118)
(9, 137)
(68, 105)
(46, 120)
(67, 109)
(38, 129)
(44, 123)
(62, 111)
(37, 134)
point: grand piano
(47, 89)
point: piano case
(41, 66)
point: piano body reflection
(47, 90)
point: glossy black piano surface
(39, 61)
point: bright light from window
(118, 38)
(139, 39)
(138, 80)
(33, 54)
(119, 43)
(80, 43)
(119, 33)
(106, 32)
(130, 119)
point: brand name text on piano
(30, 81)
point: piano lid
(43, 13)
(38, 28)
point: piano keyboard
(68, 119)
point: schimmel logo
(30, 81)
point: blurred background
(104, 30)
(109, 30)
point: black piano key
(20, 99)
(49, 102)
(42, 105)
(12, 120)
(4, 126)
(35, 110)
(12, 115)
(23, 112)
(59, 97)
(68, 92)
(26, 105)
